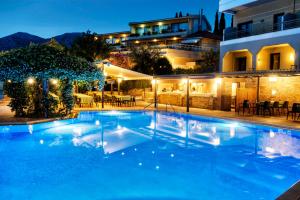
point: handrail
(260, 28)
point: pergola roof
(114, 71)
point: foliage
(148, 60)
(209, 63)
(135, 84)
(222, 24)
(162, 67)
(42, 62)
(19, 98)
(84, 86)
(67, 99)
(91, 47)
(216, 27)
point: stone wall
(280, 89)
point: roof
(165, 19)
(119, 72)
(232, 74)
(205, 34)
(115, 33)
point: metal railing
(260, 28)
(185, 47)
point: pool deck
(7, 117)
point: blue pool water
(146, 155)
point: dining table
(84, 99)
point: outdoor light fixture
(184, 81)
(9, 81)
(153, 81)
(137, 42)
(274, 92)
(175, 38)
(54, 81)
(218, 81)
(155, 40)
(30, 81)
(273, 79)
(119, 80)
(160, 23)
(292, 57)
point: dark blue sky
(48, 18)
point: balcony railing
(260, 28)
(186, 47)
(149, 36)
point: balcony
(160, 35)
(261, 28)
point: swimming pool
(146, 155)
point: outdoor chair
(295, 110)
(275, 108)
(77, 101)
(245, 106)
(97, 99)
(284, 107)
(266, 108)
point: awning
(190, 41)
(125, 74)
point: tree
(91, 47)
(42, 63)
(216, 28)
(222, 25)
(144, 59)
(148, 60)
(209, 63)
(180, 14)
(176, 15)
(162, 66)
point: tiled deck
(279, 121)
(6, 116)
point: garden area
(39, 80)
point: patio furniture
(84, 99)
(295, 110)
(267, 108)
(284, 107)
(276, 107)
(97, 99)
(245, 106)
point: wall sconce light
(30, 81)
(273, 79)
(292, 57)
(274, 92)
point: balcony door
(241, 64)
(278, 22)
(245, 29)
(275, 61)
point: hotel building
(183, 40)
(259, 55)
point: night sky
(48, 18)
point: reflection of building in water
(279, 144)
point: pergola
(113, 72)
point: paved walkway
(7, 117)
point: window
(140, 31)
(275, 61)
(241, 64)
(175, 28)
(155, 29)
(278, 22)
(245, 29)
(183, 27)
